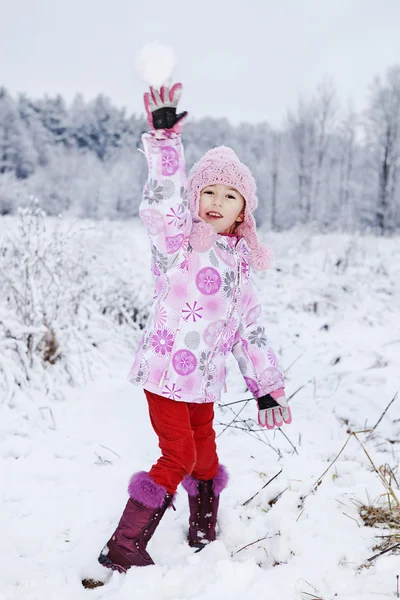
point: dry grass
(385, 518)
(375, 516)
(91, 584)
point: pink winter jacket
(204, 304)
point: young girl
(203, 243)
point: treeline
(327, 165)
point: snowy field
(332, 309)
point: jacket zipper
(165, 372)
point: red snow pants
(186, 439)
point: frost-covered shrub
(61, 305)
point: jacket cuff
(161, 137)
(278, 393)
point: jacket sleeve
(164, 207)
(253, 352)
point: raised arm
(164, 209)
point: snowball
(155, 63)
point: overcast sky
(245, 60)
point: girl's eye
(208, 192)
(230, 196)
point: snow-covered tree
(325, 109)
(383, 136)
(98, 126)
(17, 153)
(54, 117)
(41, 137)
(301, 129)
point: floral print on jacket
(204, 304)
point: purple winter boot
(127, 546)
(203, 505)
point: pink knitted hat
(221, 165)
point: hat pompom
(222, 151)
(202, 236)
(247, 229)
(261, 258)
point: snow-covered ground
(332, 309)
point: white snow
(155, 63)
(65, 464)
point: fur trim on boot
(219, 482)
(146, 491)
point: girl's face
(222, 207)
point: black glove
(161, 108)
(273, 413)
